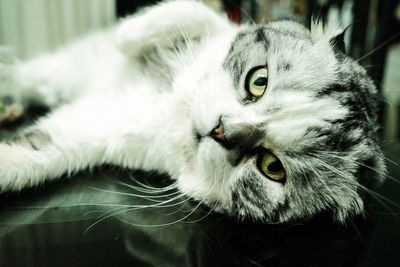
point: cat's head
(286, 125)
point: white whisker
(158, 205)
(394, 36)
(375, 195)
(330, 154)
(150, 198)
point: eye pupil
(261, 81)
(275, 166)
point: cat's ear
(337, 42)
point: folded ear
(337, 42)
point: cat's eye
(271, 166)
(257, 81)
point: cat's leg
(69, 139)
(47, 80)
(63, 75)
(36, 82)
(117, 130)
(165, 24)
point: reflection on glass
(133, 220)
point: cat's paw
(129, 35)
(165, 24)
(10, 113)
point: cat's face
(285, 126)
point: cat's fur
(147, 93)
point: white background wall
(35, 26)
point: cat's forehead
(280, 45)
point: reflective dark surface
(92, 220)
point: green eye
(258, 81)
(271, 166)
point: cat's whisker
(151, 191)
(391, 161)
(148, 189)
(179, 220)
(91, 212)
(375, 195)
(166, 188)
(136, 208)
(386, 213)
(113, 215)
(105, 213)
(175, 55)
(178, 210)
(381, 200)
(173, 222)
(248, 16)
(330, 154)
(190, 47)
(150, 198)
(379, 172)
(181, 53)
(327, 187)
(342, 154)
(161, 204)
(127, 210)
(207, 30)
(394, 36)
(144, 190)
(216, 202)
(397, 205)
(357, 231)
(186, 46)
(102, 212)
(66, 206)
(206, 195)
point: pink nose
(218, 133)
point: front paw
(10, 113)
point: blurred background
(31, 27)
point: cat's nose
(218, 133)
(242, 136)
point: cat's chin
(209, 176)
(212, 195)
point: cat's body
(167, 90)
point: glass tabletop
(112, 217)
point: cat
(270, 122)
